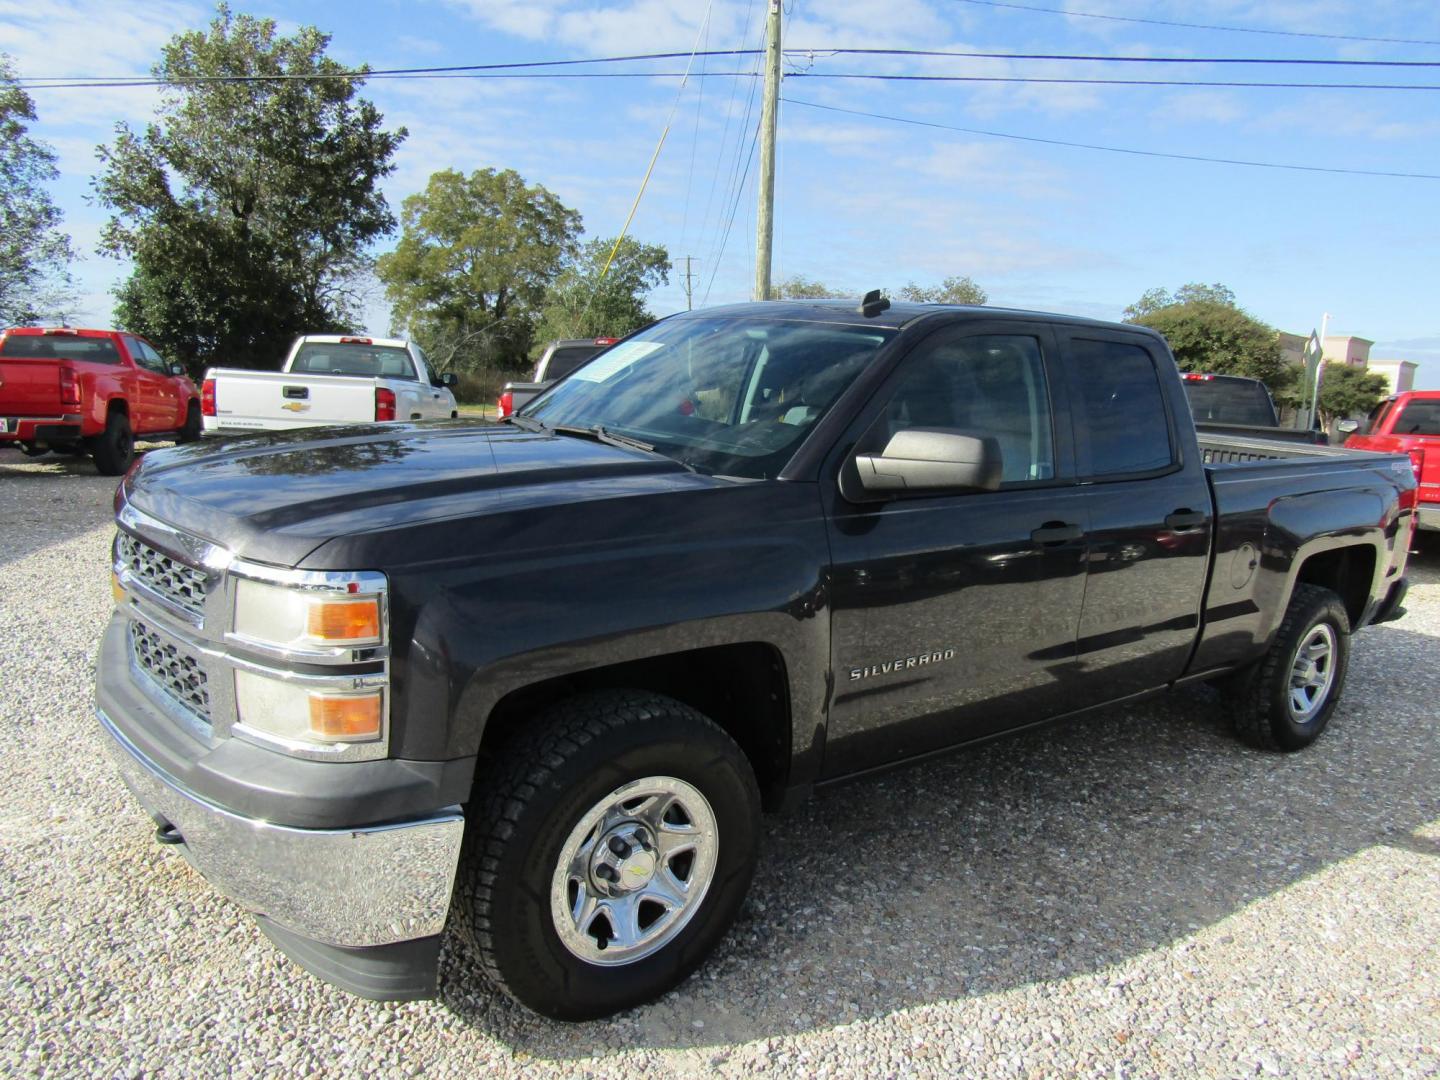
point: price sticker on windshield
(615, 360)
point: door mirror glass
(1347, 427)
(449, 380)
(934, 460)
(177, 369)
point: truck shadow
(48, 500)
(1034, 859)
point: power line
(865, 76)
(1196, 26)
(501, 70)
(1109, 82)
(1111, 149)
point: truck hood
(276, 498)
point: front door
(955, 616)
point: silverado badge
(902, 663)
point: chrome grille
(172, 669)
(180, 584)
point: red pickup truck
(1409, 423)
(91, 391)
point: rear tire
(606, 852)
(115, 449)
(1286, 700)
(193, 425)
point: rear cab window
(1419, 416)
(95, 350)
(354, 358)
(1122, 422)
(567, 358)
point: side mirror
(177, 369)
(932, 459)
(1348, 427)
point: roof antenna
(873, 304)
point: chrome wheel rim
(633, 871)
(1312, 674)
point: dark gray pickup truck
(535, 681)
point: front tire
(115, 449)
(607, 851)
(193, 424)
(1286, 700)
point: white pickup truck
(328, 379)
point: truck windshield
(353, 358)
(732, 397)
(1420, 417)
(1221, 400)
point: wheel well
(743, 688)
(119, 405)
(1347, 571)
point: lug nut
(619, 846)
(605, 873)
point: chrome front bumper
(352, 888)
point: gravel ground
(1132, 895)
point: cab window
(990, 386)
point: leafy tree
(580, 303)
(1349, 391)
(247, 206)
(953, 290)
(1155, 299)
(476, 256)
(34, 254)
(799, 287)
(1207, 331)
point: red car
(91, 391)
(1409, 423)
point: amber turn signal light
(116, 589)
(344, 620)
(345, 718)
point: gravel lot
(1132, 895)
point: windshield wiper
(596, 431)
(524, 423)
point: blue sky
(864, 202)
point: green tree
(1208, 332)
(476, 256)
(953, 290)
(799, 287)
(580, 303)
(34, 254)
(1349, 391)
(247, 207)
(1155, 299)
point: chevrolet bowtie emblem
(295, 406)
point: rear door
(1149, 509)
(953, 616)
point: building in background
(1347, 349)
(1400, 374)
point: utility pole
(765, 216)
(689, 296)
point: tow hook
(168, 834)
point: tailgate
(29, 387)
(270, 400)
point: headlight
(306, 619)
(294, 712)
